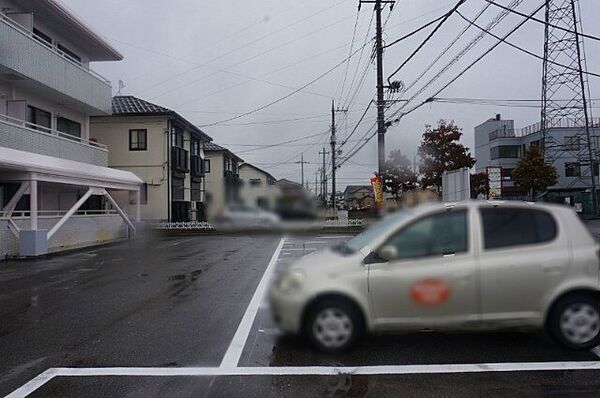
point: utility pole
(333, 151)
(324, 178)
(302, 163)
(380, 87)
(316, 182)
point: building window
(595, 141)
(177, 185)
(177, 136)
(255, 182)
(69, 54)
(572, 169)
(38, 117)
(196, 194)
(207, 165)
(69, 127)
(42, 37)
(143, 195)
(572, 143)
(195, 147)
(138, 140)
(505, 152)
(507, 174)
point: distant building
(56, 191)
(359, 197)
(257, 187)
(164, 150)
(222, 178)
(498, 143)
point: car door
(432, 282)
(524, 256)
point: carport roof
(48, 168)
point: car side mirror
(388, 252)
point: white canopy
(20, 166)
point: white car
(473, 265)
(242, 215)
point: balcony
(25, 61)
(197, 166)
(179, 159)
(29, 137)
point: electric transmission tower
(565, 94)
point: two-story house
(222, 178)
(56, 191)
(258, 187)
(164, 150)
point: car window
(433, 235)
(506, 227)
(375, 231)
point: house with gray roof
(163, 149)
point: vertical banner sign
(495, 181)
(377, 185)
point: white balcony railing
(29, 56)
(24, 136)
(11, 22)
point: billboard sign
(495, 182)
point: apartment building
(56, 191)
(499, 143)
(258, 187)
(164, 150)
(222, 178)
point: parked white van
(474, 265)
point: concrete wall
(78, 231)
(150, 165)
(215, 185)
(250, 194)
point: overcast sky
(212, 60)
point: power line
(280, 143)
(445, 50)
(466, 49)
(284, 97)
(524, 50)
(244, 46)
(420, 46)
(542, 22)
(348, 63)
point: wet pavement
(171, 303)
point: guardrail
(58, 213)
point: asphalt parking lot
(187, 317)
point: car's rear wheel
(574, 321)
(333, 325)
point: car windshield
(364, 238)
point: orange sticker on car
(431, 291)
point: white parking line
(33, 384)
(232, 356)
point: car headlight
(291, 281)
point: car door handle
(550, 268)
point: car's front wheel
(575, 321)
(333, 325)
